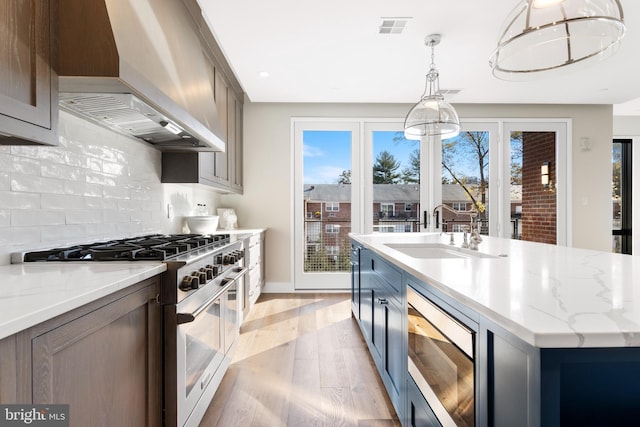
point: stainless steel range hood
(139, 67)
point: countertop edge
(101, 289)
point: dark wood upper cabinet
(28, 81)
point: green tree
(411, 173)
(345, 177)
(516, 158)
(385, 169)
(469, 151)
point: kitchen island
(556, 330)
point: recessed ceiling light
(393, 25)
(264, 74)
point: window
(313, 231)
(332, 207)
(459, 206)
(309, 215)
(332, 228)
(332, 250)
(387, 209)
(457, 228)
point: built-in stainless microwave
(442, 361)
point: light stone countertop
(32, 293)
(549, 296)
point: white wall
(268, 169)
(96, 185)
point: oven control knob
(208, 272)
(202, 277)
(188, 283)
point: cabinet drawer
(255, 277)
(391, 274)
(254, 256)
(254, 241)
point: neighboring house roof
(401, 193)
(454, 193)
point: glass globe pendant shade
(540, 36)
(432, 115)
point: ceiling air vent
(391, 25)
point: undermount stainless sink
(436, 250)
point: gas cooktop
(160, 247)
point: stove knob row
(232, 257)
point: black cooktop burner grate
(154, 247)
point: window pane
(617, 185)
(533, 186)
(515, 189)
(327, 200)
(465, 178)
(396, 183)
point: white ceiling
(330, 51)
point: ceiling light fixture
(543, 35)
(432, 115)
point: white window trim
(332, 228)
(332, 206)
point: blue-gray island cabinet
(539, 336)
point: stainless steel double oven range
(201, 299)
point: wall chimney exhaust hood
(139, 67)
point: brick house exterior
(538, 202)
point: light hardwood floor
(301, 361)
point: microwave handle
(190, 317)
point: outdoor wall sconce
(544, 174)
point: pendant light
(540, 36)
(432, 115)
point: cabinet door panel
(25, 77)
(105, 364)
(394, 362)
(222, 158)
(379, 320)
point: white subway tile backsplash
(5, 181)
(9, 163)
(5, 217)
(62, 201)
(17, 237)
(27, 218)
(36, 184)
(117, 169)
(96, 185)
(83, 216)
(113, 216)
(119, 192)
(141, 216)
(16, 200)
(49, 154)
(83, 189)
(69, 173)
(101, 178)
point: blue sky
(328, 153)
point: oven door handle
(190, 317)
